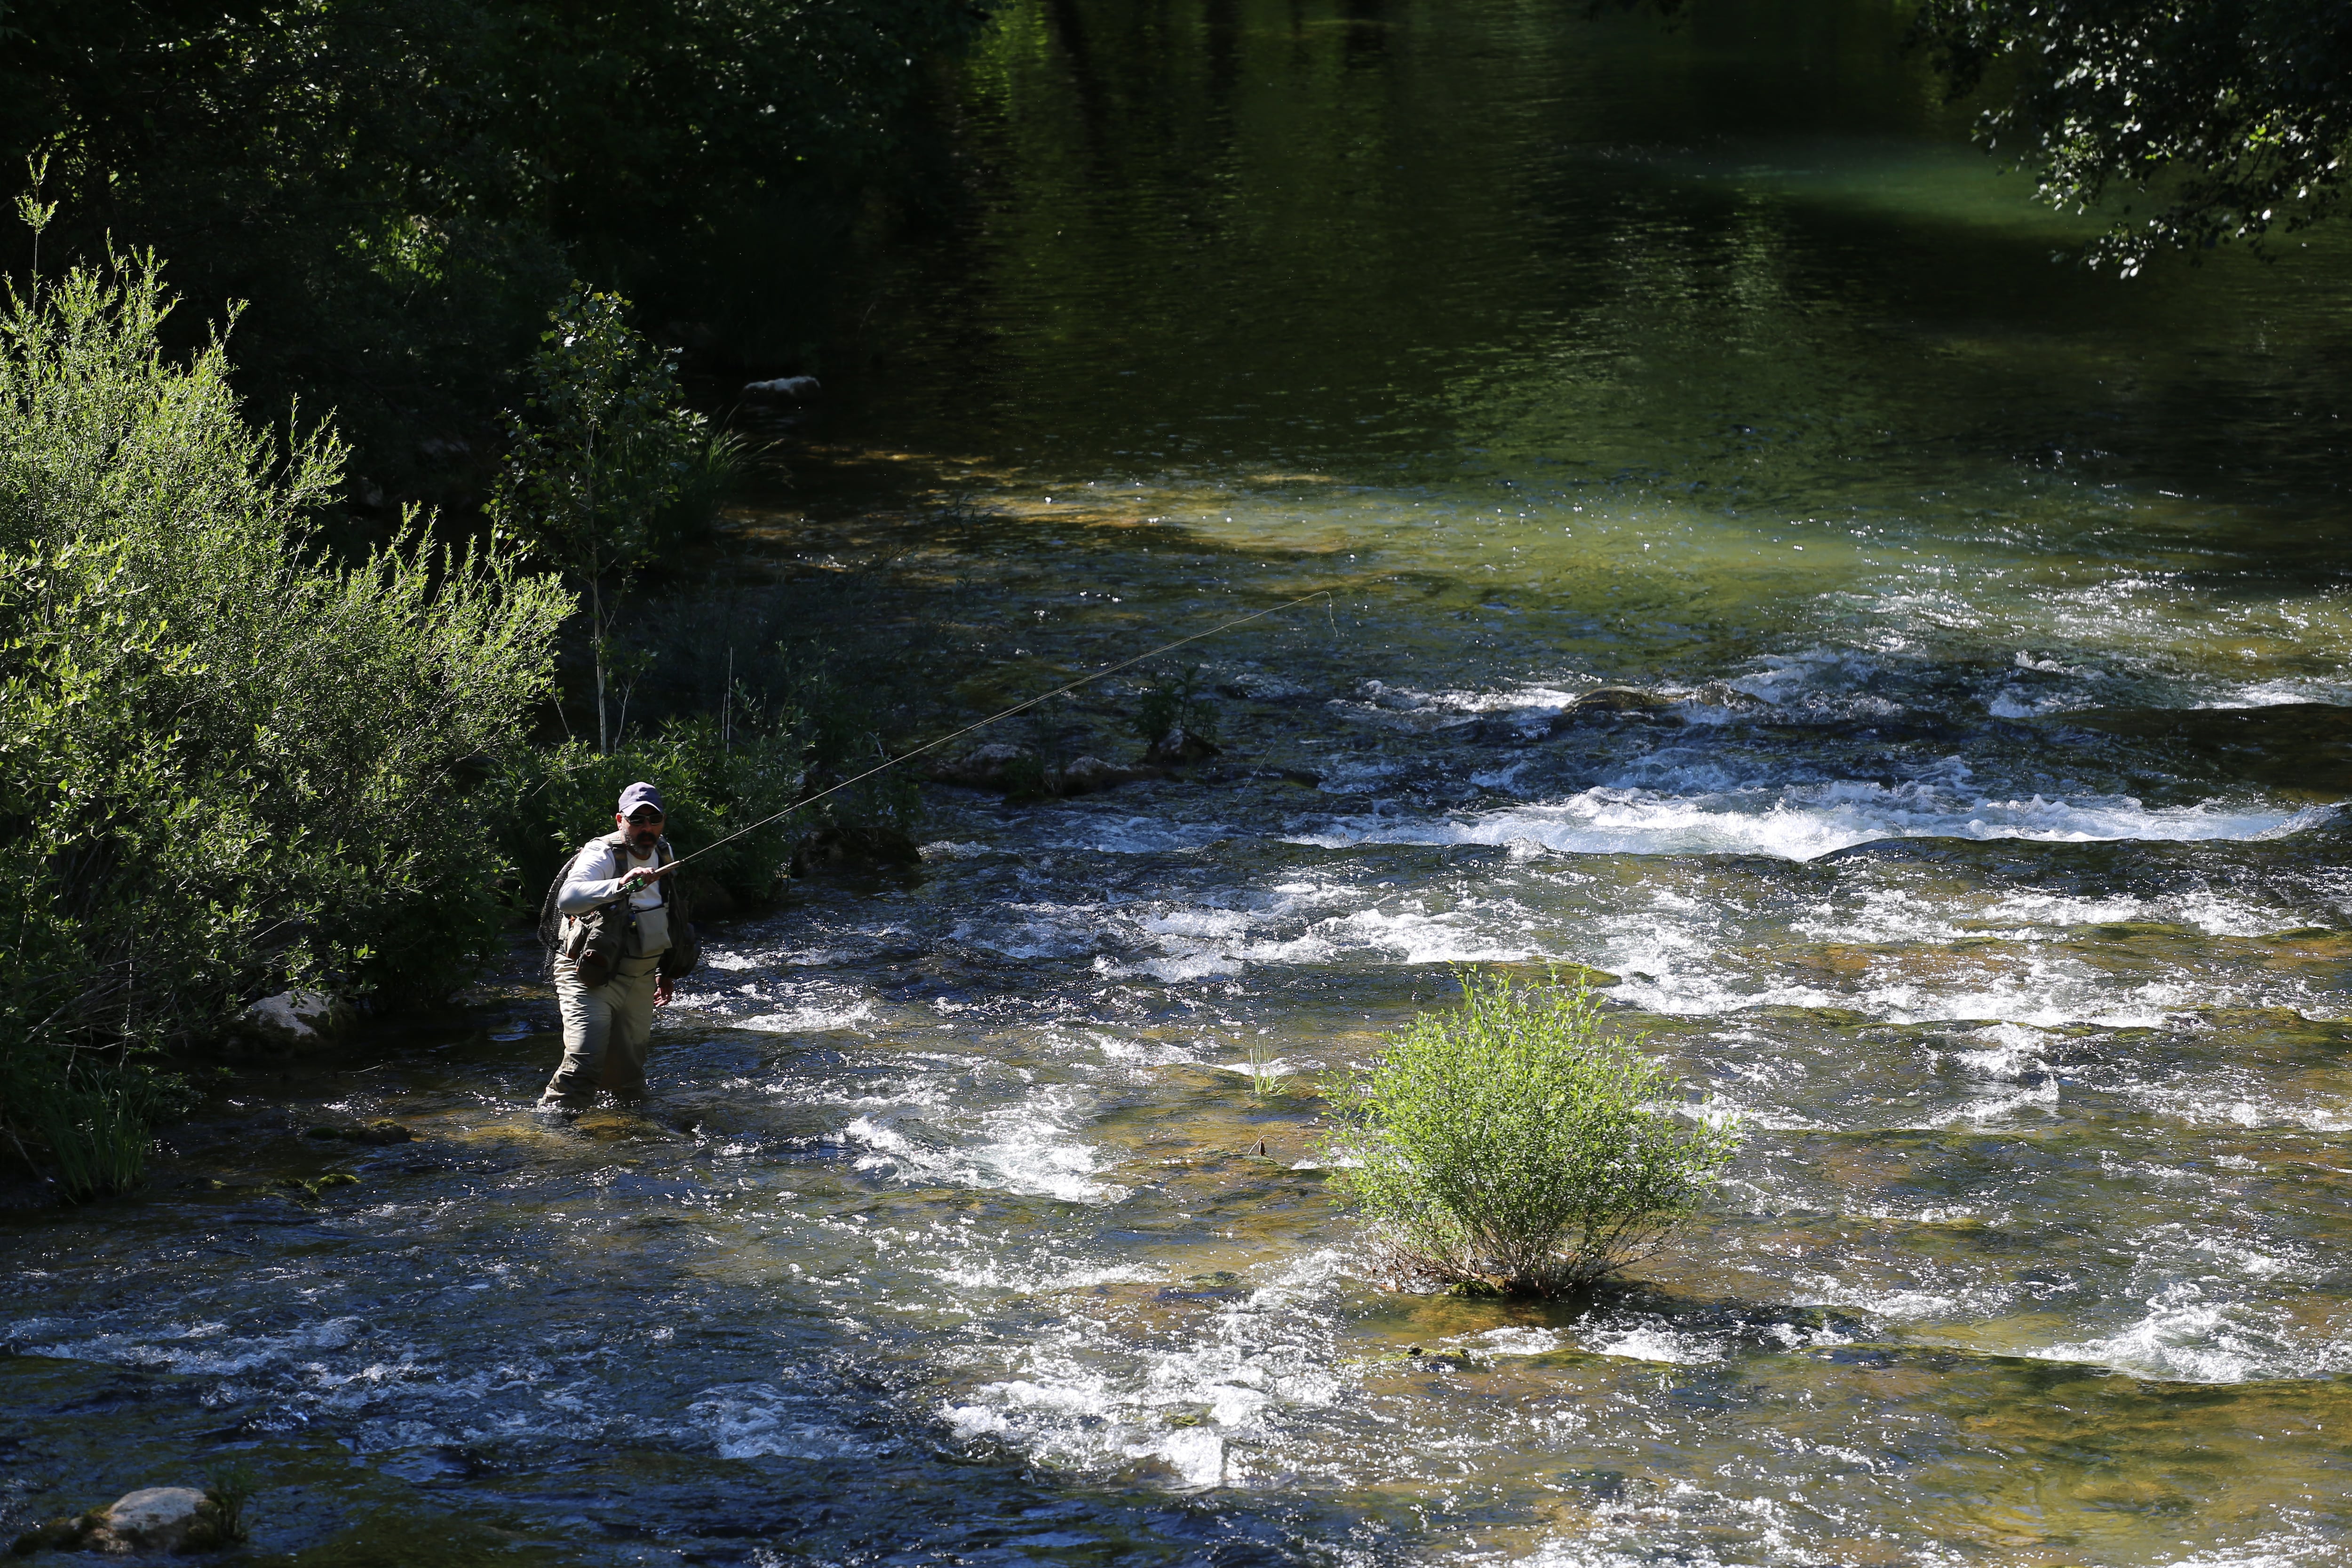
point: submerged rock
(1722, 694)
(796, 387)
(379, 1132)
(1612, 700)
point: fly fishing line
(1323, 593)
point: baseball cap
(641, 793)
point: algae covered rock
(155, 1519)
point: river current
(1974, 835)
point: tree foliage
(601, 456)
(1515, 1144)
(2233, 116)
(403, 187)
(227, 764)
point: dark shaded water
(1983, 855)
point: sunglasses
(644, 819)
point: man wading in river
(619, 935)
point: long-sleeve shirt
(588, 882)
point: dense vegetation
(234, 764)
(227, 763)
(403, 188)
(1515, 1144)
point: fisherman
(619, 936)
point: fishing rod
(1324, 594)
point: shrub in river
(1175, 705)
(227, 765)
(221, 1521)
(1515, 1144)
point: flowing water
(1974, 837)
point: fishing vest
(594, 943)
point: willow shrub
(1515, 1144)
(719, 778)
(228, 763)
(547, 803)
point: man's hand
(643, 876)
(661, 990)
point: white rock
(295, 1017)
(793, 386)
(1086, 774)
(157, 1519)
(983, 766)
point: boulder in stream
(1085, 775)
(1613, 701)
(1022, 773)
(155, 1519)
(997, 765)
(151, 1519)
(295, 1019)
(1179, 746)
(799, 388)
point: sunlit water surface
(1979, 846)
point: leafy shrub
(605, 465)
(545, 804)
(1172, 702)
(718, 773)
(221, 1521)
(1513, 1144)
(227, 764)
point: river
(1977, 841)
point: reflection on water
(1968, 821)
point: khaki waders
(606, 1031)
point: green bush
(1171, 702)
(227, 764)
(1514, 1145)
(718, 774)
(606, 465)
(545, 804)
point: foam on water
(756, 1420)
(1029, 1145)
(2190, 1334)
(1807, 821)
(1653, 1341)
(1202, 1399)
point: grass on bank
(1515, 1144)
